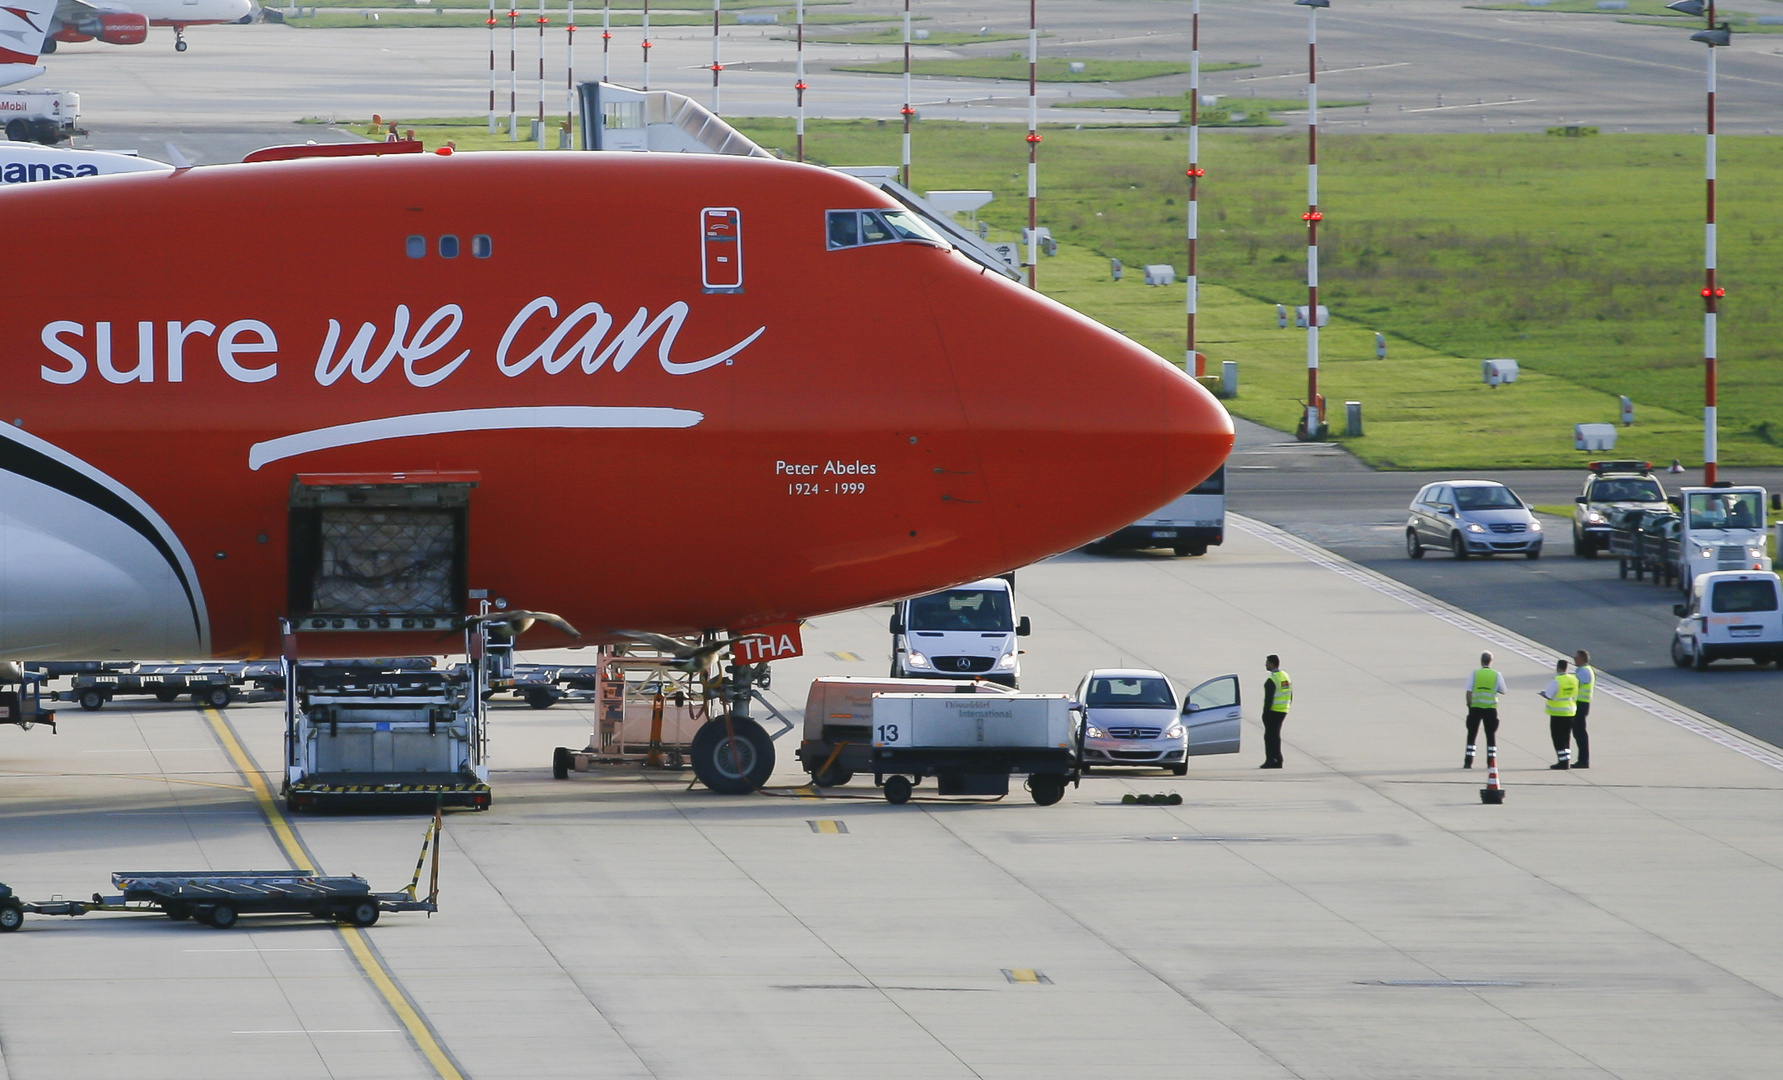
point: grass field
(409, 18)
(1230, 112)
(1051, 69)
(895, 36)
(1578, 257)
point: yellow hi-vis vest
(1565, 702)
(1485, 689)
(1585, 687)
(1284, 692)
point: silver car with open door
(1133, 717)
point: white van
(1730, 613)
(1187, 526)
(966, 632)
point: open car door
(1212, 713)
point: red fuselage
(850, 426)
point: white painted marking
(457, 420)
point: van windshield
(963, 609)
(1725, 510)
(1738, 596)
(1130, 694)
(1627, 490)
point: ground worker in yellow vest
(1484, 687)
(1563, 703)
(1278, 694)
(1587, 676)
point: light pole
(1312, 215)
(907, 110)
(1191, 358)
(1033, 145)
(1714, 36)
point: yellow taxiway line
(410, 1017)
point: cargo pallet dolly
(23, 706)
(215, 686)
(972, 743)
(220, 897)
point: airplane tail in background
(23, 26)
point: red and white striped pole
(907, 110)
(1033, 145)
(799, 85)
(491, 67)
(606, 41)
(513, 73)
(1191, 358)
(569, 69)
(1714, 37)
(646, 47)
(716, 66)
(542, 21)
(1312, 215)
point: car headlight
(1707, 553)
(1755, 552)
(916, 659)
(1007, 663)
(1091, 731)
(1474, 526)
(1175, 731)
(1535, 526)
(1592, 517)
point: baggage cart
(972, 743)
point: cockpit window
(853, 228)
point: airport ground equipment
(220, 897)
(45, 116)
(213, 685)
(1610, 487)
(838, 740)
(544, 685)
(968, 631)
(972, 743)
(21, 698)
(1492, 794)
(1730, 614)
(380, 734)
(1722, 528)
(674, 704)
(1645, 542)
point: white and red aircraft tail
(23, 24)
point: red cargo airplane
(647, 392)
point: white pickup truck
(44, 116)
(1730, 614)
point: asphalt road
(1324, 495)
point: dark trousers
(1560, 729)
(1581, 737)
(1477, 716)
(1272, 737)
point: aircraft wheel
(1413, 549)
(736, 766)
(92, 700)
(12, 916)
(179, 45)
(364, 913)
(897, 790)
(222, 916)
(560, 763)
(1046, 788)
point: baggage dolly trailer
(972, 743)
(220, 897)
(837, 741)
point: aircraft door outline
(721, 249)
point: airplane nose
(1079, 431)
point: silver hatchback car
(1132, 716)
(1472, 517)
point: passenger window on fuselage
(448, 247)
(482, 246)
(417, 247)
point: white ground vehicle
(1133, 717)
(972, 743)
(1730, 614)
(44, 116)
(1187, 526)
(838, 739)
(965, 632)
(1723, 529)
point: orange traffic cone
(1491, 794)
